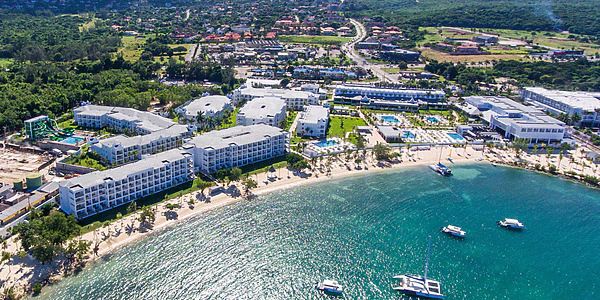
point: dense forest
(54, 63)
(54, 38)
(575, 16)
(577, 75)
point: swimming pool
(408, 135)
(455, 136)
(73, 140)
(326, 143)
(432, 119)
(389, 119)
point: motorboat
(454, 231)
(511, 224)
(441, 169)
(331, 287)
(417, 285)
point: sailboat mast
(427, 258)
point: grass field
(132, 47)
(314, 39)
(557, 40)
(5, 62)
(339, 126)
(88, 25)
(441, 56)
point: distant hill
(576, 16)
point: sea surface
(362, 231)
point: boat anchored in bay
(513, 224)
(441, 169)
(330, 287)
(420, 286)
(454, 231)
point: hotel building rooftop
(586, 101)
(238, 136)
(122, 172)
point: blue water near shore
(362, 231)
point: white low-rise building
(586, 105)
(237, 146)
(266, 110)
(157, 133)
(295, 100)
(95, 192)
(354, 94)
(313, 121)
(516, 120)
(120, 119)
(214, 106)
(122, 149)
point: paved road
(350, 50)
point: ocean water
(362, 231)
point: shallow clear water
(326, 143)
(362, 231)
(389, 119)
(456, 136)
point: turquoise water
(408, 134)
(432, 119)
(456, 136)
(362, 231)
(389, 119)
(326, 143)
(73, 140)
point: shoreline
(114, 238)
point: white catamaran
(420, 286)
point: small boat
(454, 231)
(511, 224)
(417, 285)
(441, 169)
(331, 287)
(450, 159)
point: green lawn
(289, 120)
(231, 121)
(339, 126)
(314, 39)
(5, 62)
(132, 47)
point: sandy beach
(22, 273)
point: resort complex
(264, 110)
(238, 146)
(96, 192)
(313, 121)
(343, 131)
(584, 105)
(294, 99)
(516, 120)
(200, 109)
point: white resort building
(120, 119)
(516, 120)
(267, 110)
(157, 133)
(295, 100)
(122, 149)
(584, 104)
(354, 94)
(313, 121)
(237, 146)
(213, 106)
(95, 192)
